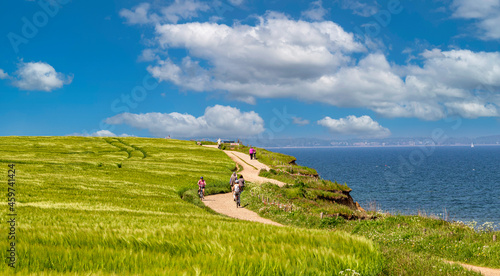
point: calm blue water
(465, 181)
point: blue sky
(241, 68)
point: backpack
(236, 188)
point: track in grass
(129, 149)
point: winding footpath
(224, 204)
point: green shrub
(294, 193)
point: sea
(455, 183)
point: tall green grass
(422, 235)
(112, 206)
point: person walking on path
(232, 179)
(252, 153)
(241, 183)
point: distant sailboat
(471, 145)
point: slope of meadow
(112, 206)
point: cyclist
(201, 185)
(239, 185)
(233, 188)
(232, 180)
(237, 193)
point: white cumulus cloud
(103, 133)
(363, 126)
(139, 14)
(473, 110)
(254, 61)
(224, 121)
(100, 133)
(475, 9)
(148, 55)
(279, 57)
(183, 9)
(486, 14)
(39, 76)
(188, 74)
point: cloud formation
(358, 8)
(279, 57)
(278, 53)
(3, 75)
(178, 10)
(486, 13)
(299, 121)
(313, 61)
(218, 121)
(103, 133)
(100, 133)
(138, 14)
(363, 126)
(39, 76)
(236, 2)
(315, 12)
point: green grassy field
(111, 206)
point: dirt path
(251, 168)
(224, 204)
(483, 270)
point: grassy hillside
(112, 206)
(304, 190)
(278, 161)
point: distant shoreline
(379, 146)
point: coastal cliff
(305, 188)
